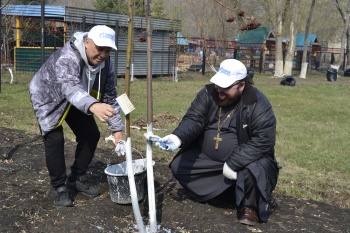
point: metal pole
(2, 42)
(42, 32)
(203, 61)
(261, 60)
(84, 24)
(116, 52)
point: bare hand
(102, 111)
(118, 136)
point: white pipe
(173, 72)
(132, 72)
(176, 78)
(10, 70)
(133, 193)
(150, 185)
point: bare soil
(26, 200)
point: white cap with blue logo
(231, 70)
(103, 36)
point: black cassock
(199, 168)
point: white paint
(150, 184)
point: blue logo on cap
(224, 71)
(104, 35)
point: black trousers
(87, 136)
(251, 192)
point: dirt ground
(26, 201)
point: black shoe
(84, 186)
(62, 197)
(272, 204)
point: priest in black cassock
(226, 141)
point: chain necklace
(217, 139)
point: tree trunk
(307, 29)
(340, 61)
(278, 41)
(346, 19)
(288, 66)
(347, 66)
(128, 62)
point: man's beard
(229, 100)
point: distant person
(230, 55)
(227, 139)
(213, 57)
(317, 65)
(76, 83)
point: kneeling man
(227, 140)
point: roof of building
(257, 35)
(94, 17)
(57, 12)
(299, 41)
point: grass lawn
(312, 125)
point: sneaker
(84, 186)
(62, 197)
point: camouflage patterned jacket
(59, 83)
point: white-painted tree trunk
(278, 40)
(303, 70)
(278, 68)
(133, 192)
(288, 66)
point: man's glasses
(229, 87)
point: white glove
(110, 138)
(120, 148)
(170, 142)
(229, 173)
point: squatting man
(226, 140)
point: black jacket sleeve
(193, 123)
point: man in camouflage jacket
(76, 83)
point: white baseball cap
(103, 36)
(231, 70)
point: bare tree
(290, 53)
(7, 2)
(206, 19)
(307, 29)
(278, 39)
(88, 4)
(345, 35)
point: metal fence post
(84, 24)
(42, 32)
(116, 52)
(1, 43)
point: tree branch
(5, 4)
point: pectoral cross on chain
(217, 139)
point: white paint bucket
(118, 182)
